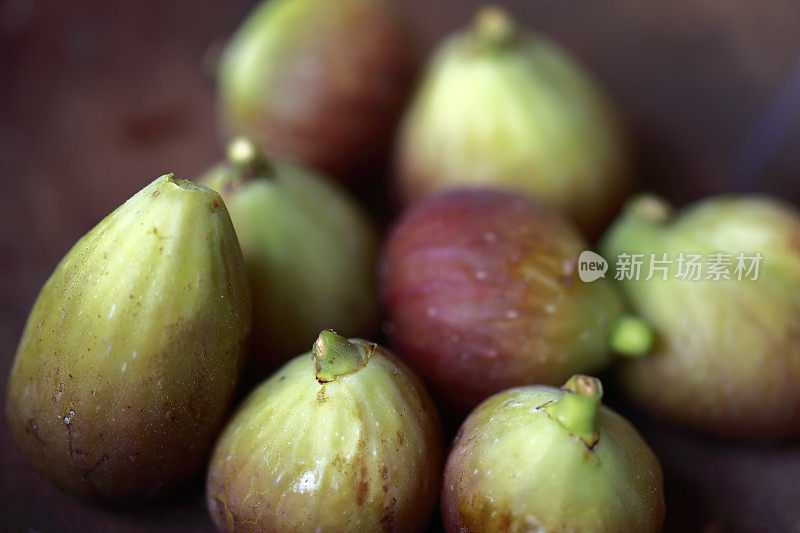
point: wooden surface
(97, 98)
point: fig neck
(650, 208)
(336, 357)
(493, 27)
(247, 160)
(632, 336)
(576, 410)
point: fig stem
(493, 26)
(245, 156)
(577, 409)
(335, 356)
(651, 208)
(631, 336)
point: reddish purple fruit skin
(482, 294)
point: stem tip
(335, 356)
(632, 337)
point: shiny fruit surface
(341, 439)
(550, 460)
(482, 293)
(132, 350)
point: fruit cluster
(505, 157)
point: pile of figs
(263, 283)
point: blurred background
(97, 98)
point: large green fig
(500, 106)
(309, 251)
(323, 83)
(133, 348)
(548, 460)
(727, 352)
(344, 439)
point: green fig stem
(493, 26)
(336, 356)
(577, 409)
(245, 156)
(651, 208)
(632, 336)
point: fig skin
(309, 251)
(322, 83)
(482, 293)
(532, 121)
(131, 353)
(325, 446)
(727, 353)
(515, 466)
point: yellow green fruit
(727, 351)
(308, 249)
(504, 107)
(543, 459)
(132, 350)
(342, 439)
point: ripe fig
(343, 439)
(323, 83)
(132, 350)
(531, 121)
(482, 293)
(543, 459)
(308, 249)
(727, 352)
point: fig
(308, 249)
(132, 351)
(724, 301)
(343, 439)
(322, 83)
(543, 459)
(482, 293)
(531, 121)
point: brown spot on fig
(362, 482)
(385, 478)
(321, 395)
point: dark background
(99, 97)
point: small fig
(308, 249)
(132, 351)
(726, 312)
(543, 459)
(482, 293)
(342, 439)
(503, 107)
(323, 83)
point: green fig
(132, 350)
(725, 309)
(501, 106)
(322, 83)
(547, 460)
(341, 439)
(308, 249)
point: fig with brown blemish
(290, 462)
(126, 366)
(549, 460)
